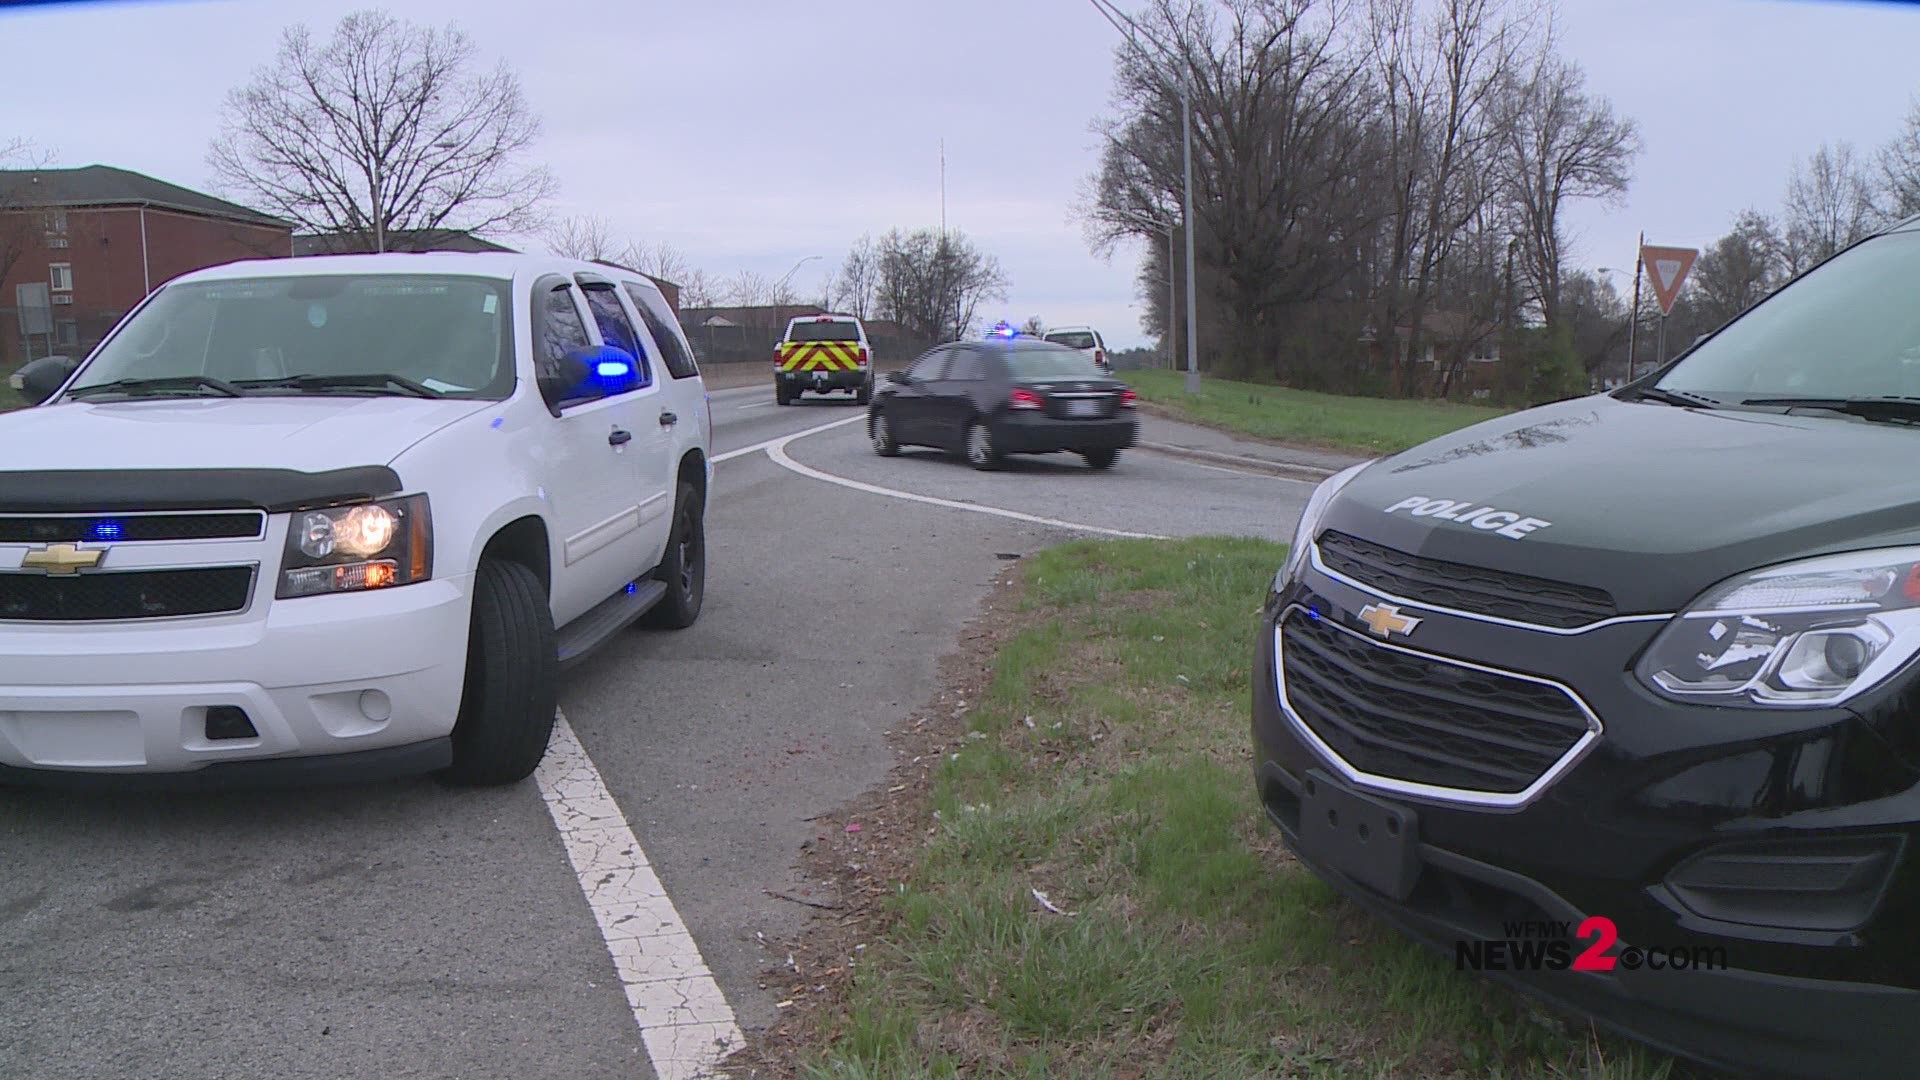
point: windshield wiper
(378, 381)
(169, 382)
(1675, 397)
(1867, 408)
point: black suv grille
(127, 594)
(116, 528)
(1394, 714)
(1464, 588)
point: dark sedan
(1002, 396)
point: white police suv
(342, 517)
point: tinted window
(1078, 339)
(558, 332)
(615, 330)
(451, 333)
(967, 366)
(929, 366)
(1051, 364)
(666, 332)
(824, 331)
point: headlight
(1808, 633)
(351, 548)
(1310, 521)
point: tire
(507, 705)
(684, 570)
(880, 432)
(981, 453)
(1100, 459)
(864, 396)
(780, 394)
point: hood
(1650, 502)
(308, 434)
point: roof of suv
(494, 264)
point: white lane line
(755, 405)
(777, 450)
(759, 446)
(684, 1019)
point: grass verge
(1360, 424)
(1096, 751)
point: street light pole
(1131, 31)
(780, 285)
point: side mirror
(588, 373)
(43, 378)
(898, 378)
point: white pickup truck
(342, 516)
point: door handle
(619, 437)
(667, 419)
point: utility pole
(943, 191)
(1131, 31)
(1633, 328)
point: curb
(1283, 469)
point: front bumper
(1808, 983)
(1033, 433)
(838, 379)
(376, 677)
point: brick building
(102, 238)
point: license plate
(1083, 407)
(1375, 843)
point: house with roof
(89, 243)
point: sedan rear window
(1073, 340)
(824, 331)
(1051, 364)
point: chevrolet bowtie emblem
(1386, 620)
(63, 558)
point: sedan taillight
(1022, 398)
(1129, 399)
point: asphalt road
(406, 929)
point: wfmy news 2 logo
(1546, 945)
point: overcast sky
(751, 134)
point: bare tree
(932, 283)
(699, 289)
(585, 236)
(748, 289)
(385, 128)
(1440, 67)
(1559, 143)
(853, 287)
(1279, 138)
(658, 259)
(1829, 205)
(1034, 326)
(1738, 270)
(1898, 162)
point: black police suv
(1004, 395)
(1616, 699)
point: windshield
(824, 331)
(1849, 329)
(1051, 364)
(449, 334)
(1075, 340)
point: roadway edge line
(685, 1022)
(777, 450)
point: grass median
(1359, 424)
(1101, 761)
